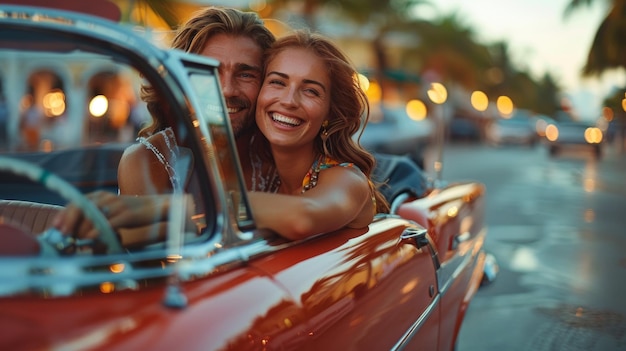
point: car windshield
(516, 121)
(574, 125)
(70, 105)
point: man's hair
(193, 35)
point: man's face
(240, 76)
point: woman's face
(294, 99)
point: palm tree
(164, 14)
(383, 17)
(607, 50)
(546, 96)
(445, 45)
(449, 48)
(541, 97)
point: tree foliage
(607, 50)
(445, 46)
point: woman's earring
(324, 136)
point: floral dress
(323, 162)
(269, 181)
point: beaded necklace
(168, 135)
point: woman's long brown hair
(349, 106)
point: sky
(541, 39)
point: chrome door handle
(417, 234)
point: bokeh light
(257, 5)
(505, 106)
(479, 100)
(552, 132)
(54, 103)
(374, 92)
(364, 83)
(593, 135)
(437, 93)
(608, 113)
(416, 109)
(540, 127)
(98, 106)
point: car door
(460, 229)
(361, 289)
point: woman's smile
(285, 120)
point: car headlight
(552, 132)
(593, 135)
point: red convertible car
(70, 87)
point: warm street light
(54, 103)
(98, 106)
(416, 110)
(364, 83)
(373, 92)
(479, 100)
(505, 106)
(437, 93)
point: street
(556, 227)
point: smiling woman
(294, 103)
(308, 109)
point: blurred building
(45, 95)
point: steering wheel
(68, 192)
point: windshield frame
(168, 71)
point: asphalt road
(557, 227)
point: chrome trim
(64, 276)
(450, 270)
(453, 267)
(410, 333)
(397, 201)
(445, 276)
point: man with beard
(237, 40)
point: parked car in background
(466, 129)
(574, 136)
(612, 129)
(516, 130)
(394, 132)
(541, 122)
(404, 282)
